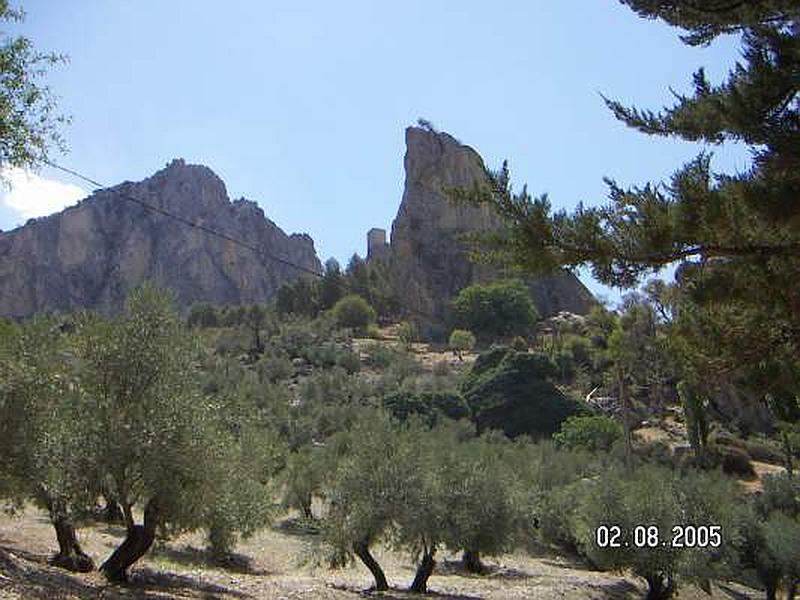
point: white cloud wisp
(30, 195)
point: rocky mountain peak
(92, 254)
(427, 254)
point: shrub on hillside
(657, 499)
(761, 450)
(353, 312)
(430, 406)
(732, 460)
(461, 340)
(203, 315)
(496, 310)
(589, 432)
(407, 333)
(514, 392)
(274, 367)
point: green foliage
(203, 315)
(496, 310)
(760, 449)
(274, 366)
(380, 356)
(28, 119)
(431, 407)
(353, 312)
(407, 334)
(372, 482)
(695, 412)
(735, 238)
(374, 283)
(332, 285)
(465, 496)
(239, 504)
(732, 460)
(652, 496)
(304, 478)
(593, 433)
(298, 298)
(43, 432)
(513, 392)
(461, 340)
(557, 510)
(768, 542)
(150, 420)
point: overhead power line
(219, 234)
(188, 222)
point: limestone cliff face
(428, 256)
(92, 254)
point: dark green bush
(519, 344)
(757, 449)
(496, 310)
(274, 367)
(431, 406)
(512, 391)
(203, 315)
(589, 432)
(732, 460)
(353, 312)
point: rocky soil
(286, 562)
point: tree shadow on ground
(148, 580)
(456, 567)
(30, 576)
(297, 527)
(570, 563)
(735, 594)
(396, 593)
(112, 529)
(191, 556)
(619, 590)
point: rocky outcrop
(428, 255)
(90, 255)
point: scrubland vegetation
(537, 433)
(223, 420)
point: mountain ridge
(91, 254)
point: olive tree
(304, 478)
(150, 426)
(43, 430)
(770, 535)
(373, 480)
(245, 462)
(657, 498)
(484, 509)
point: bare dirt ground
(285, 563)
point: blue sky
(301, 106)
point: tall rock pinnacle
(428, 256)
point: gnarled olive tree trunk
(361, 550)
(424, 571)
(135, 545)
(472, 562)
(659, 587)
(70, 554)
